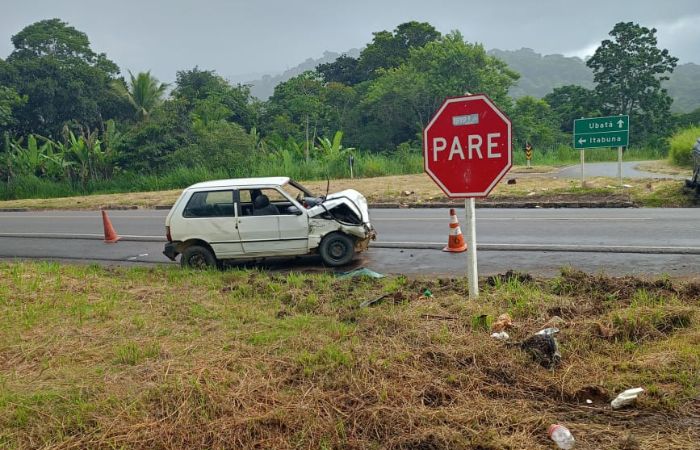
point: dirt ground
(520, 187)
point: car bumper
(363, 244)
(171, 250)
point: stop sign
(467, 146)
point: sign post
(619, 164)
(528, 153)
(467, 149)
(602, 132)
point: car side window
(210, 204)
(263, 202)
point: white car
(265, 217)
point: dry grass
(665, 167)
(164, 359)
(531, 186)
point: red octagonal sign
(467, 146)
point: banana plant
(79, 154)
(333, 150)
(56, 166)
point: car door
(211, 217)
(282, 233)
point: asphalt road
(539, 241)
(609, 169)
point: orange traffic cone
(455, 241)
(111, 236)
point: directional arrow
(582, 141)
(620, 123)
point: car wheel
(197, 257)
(337, 249)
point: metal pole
(583, 178)
(472, 272)
(619, 164)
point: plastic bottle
(626, 398)
(501, 336)
(561, 436)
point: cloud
(680, 37)
(584, 52)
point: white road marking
(582, 246)
(91, 235)
(81, 217)
(504, 219)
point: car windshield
(296, 190)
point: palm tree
(144, 92)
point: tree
(387, 50)
(403, 99)
(195, 85)
(148, 148)
(628, 70)
(533, 122)
(63, 79)
(9, 99)
(345, 69)
(572, 102)
(144, 92)
(298, 101)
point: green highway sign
(596, 132)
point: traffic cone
(111, 236)
(455, 241)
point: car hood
(350, 197)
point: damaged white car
(250, 218)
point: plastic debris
(360, 272)
(544, 349)
(503, 322)
(551, 331)
(427, 293)
(501, 336)
(626, 398)
(561, 436)
(373, 301)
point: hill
(539, 74)
(264, 87)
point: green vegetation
(681, 146)
(628, 71)
(73, 125)
(138, 358)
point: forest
(72, 123)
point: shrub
(682, 145)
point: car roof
(241, 182)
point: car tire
(198, 257)
(337, 249)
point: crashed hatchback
(250, 218)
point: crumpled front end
(345, 211)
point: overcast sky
(242, 39)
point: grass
(161, 358)
(404, 161)
(681, 146)
(531, 186)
